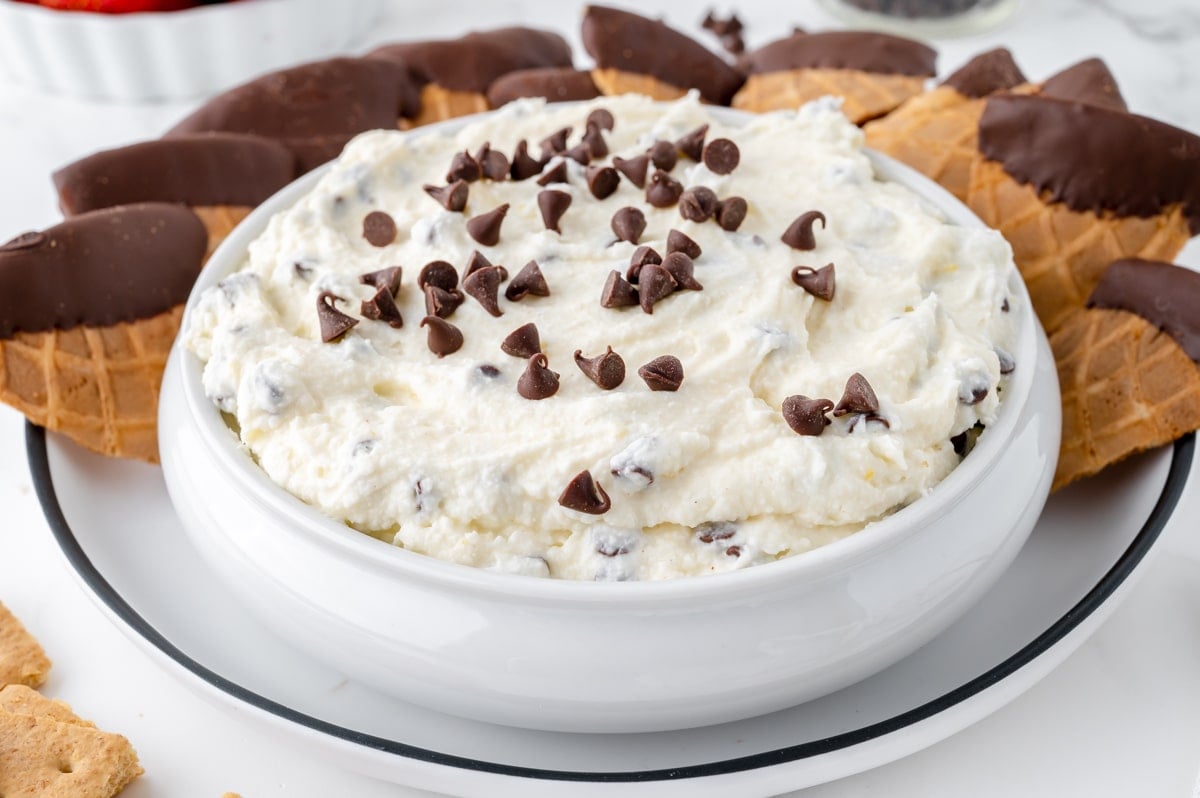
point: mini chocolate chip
(334, 323)
(602, 181)
(821, 282)
(464, 167)
(477, 261)
(617, 293)
(485, 228)
(555, 143)
(859, 397)
(444, 338)
(379, 228)
(484, 285)
(382, 307)
(593, 139)
(641, 256)
(553, 204)
(692, 144)
(711, 531)
(529, 280)
(537, 381)
(698, 204)
(663, 373)
(523, 342)
(492, 163)
(681, 268)
(581, 153)
(868, 418)
(654, 284)
(555, 174)
(583, 494)
(731, 213)
(679, 242)
(442, 303)
(964, 441)
(28, 240)
(806, 416)
(305, 273)
(721, 156)
(601, 118)
(1007, 364)
(524, 165)
(628, 224)
(722, 27)
(663, 190)
(799, 234)
(634, 169)
(733, 551)
(389, 278)
(606, 370)
(664, 155)
(973, 389)
(439, 273)
(1004, 306)
(489, 371)
(452, 197)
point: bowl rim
(248, 478)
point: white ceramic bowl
(171, 55)
(613, 657)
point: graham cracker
(22, 660)
(46, 751)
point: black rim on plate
(39, 466)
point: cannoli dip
(798, 349)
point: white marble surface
(1120, 718)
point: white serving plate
(1086, 552)
(171, 55)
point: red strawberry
(117, 6)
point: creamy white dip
(444, 457)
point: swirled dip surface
(444, 456)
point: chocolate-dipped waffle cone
(1126, 387)
(612, 82)
(937, 132)
(865, 95)
(219, 221)
(96, 385)
(438, 103)
(88, 312)
(1062, 252)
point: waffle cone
(615, 81)
(96, 385)
(936, 133)
(438, 104)
(1062, 253)
(865, 95)
(1126, 386)
(219, 221)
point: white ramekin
(616, 657)
(171, 55)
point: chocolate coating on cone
(1088, 82)
(205, 169)
(556, 84)
(631, 43)
(313, 109)
(861, 51)
(473, 61)
(1166, 295)
(1094, 159)
(100, 268)
(987, 72)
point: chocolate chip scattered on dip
(758, 412)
